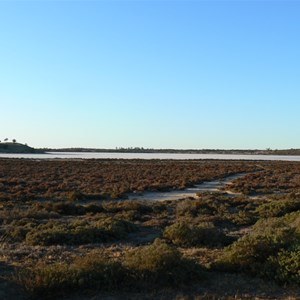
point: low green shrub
(278, 208)
(270, 250)
(75, 196)
(185, 235)
(128, 205)
(78, 233)
(285, 265)
(147, 267)
(162, 264)
(219, 209)
(21, 214)
(17, 230)
(117, 228)
(51, 281)
(67, 236)
(65, 208)
(69, 208)
(195, 207)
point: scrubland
(68, 232)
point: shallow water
(178, 156)
(206, 186)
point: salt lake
(177, 156)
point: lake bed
(162, 156)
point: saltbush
(186, 235)
(270, 250)
(78, 233)
(278, 208)
(49, 281)
(162, 264)
(154, 266)
(285, 265)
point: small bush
(67, 236)
(128, 205)
(68, 208)
(78, 233)
(180, 234)
(278, 208)
(65, 208)
(285, 266)
(218, 209)
(118, 229)
(17, 230)
(161, 264)
(49, 281)
(270, 250)
(75, 196)
(185, 235)
(155, 266)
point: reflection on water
(100, 155)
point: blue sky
(153, 74)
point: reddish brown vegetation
(278, 177)
(56, 249)
(105, 179)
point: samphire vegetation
(143, 268)
(104, 179)
(69, 243)
(271, 250)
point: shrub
(128, 205)
(278, 208)
(270, 250)
(50, 281)
(185, 235)
(64, 208)
(285, 266)
(180, 234)
(147, 267)
(75, 195)
(118, 229)
(67, 208)
(161, 264)
(218, 209)
(78, 233)
(193, 208)
(18, 229)
(67, 236)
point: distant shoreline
(176, 151)
(23, 148)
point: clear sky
(153, 74)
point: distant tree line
(6, 140)
(267, 151)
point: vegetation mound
(146, 267)
(17, 148)
(271, 250)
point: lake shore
(65, 233)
